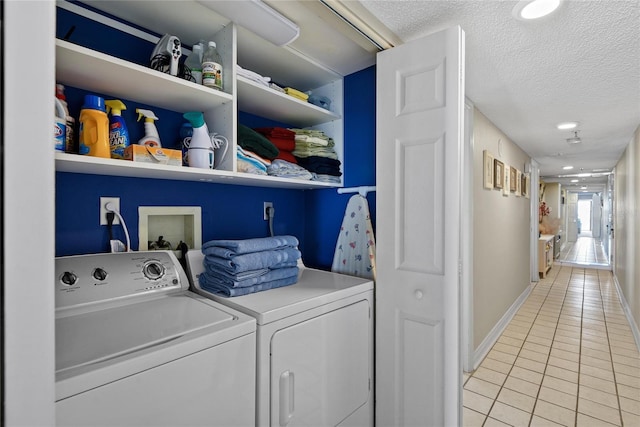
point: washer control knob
(153, 270)
(99, 274)
(68, 278)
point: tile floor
(568, 357)
(586, 250)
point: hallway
(586, 250)
(568, 357)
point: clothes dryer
(314, 348)
(135, 347)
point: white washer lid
(313, 289)
(92, 337)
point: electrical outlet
(103, 209)
(264, 210)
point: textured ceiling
(580, 64)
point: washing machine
(314, 360)
(135, 347)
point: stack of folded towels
(283, 139)
(314, 151)
(255, 152)
(240, 267)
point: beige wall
(627, 225)
(501, 247)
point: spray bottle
(200, 149)
(118, 133)
(151, 136)
(94, 128)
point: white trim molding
(627, 311)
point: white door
(420, 130)
(596, 216)
(572, 217)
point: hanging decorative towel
(355, 253)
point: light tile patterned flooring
(568, 357)
(586, 250)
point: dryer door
(320, 368)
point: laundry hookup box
(156, 155)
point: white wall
(28, 213)
(627, 226)
(501, 243)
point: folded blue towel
(243, 275)
(216, 278)
(279, 258)
(234, 292)
(237, 247)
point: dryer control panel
(88, 279)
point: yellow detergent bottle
(94, 128)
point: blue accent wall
(228, 211)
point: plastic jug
(94, 128)
(60, 126)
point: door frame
(534, 182)
(466, 240)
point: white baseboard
(486, 344)
(627, 311)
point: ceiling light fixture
(526, 10)
(575, 139)
(567, 168)
(257, 17)
(575, 180)
(567, 125)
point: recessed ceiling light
(583, 187)
(567, 125)
(526, 10)
(567, 168)
(575, 180)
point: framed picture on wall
(513, 186)
(505, 183)
(518, 183)
(488, 169)
(525, 185)
(498, 174)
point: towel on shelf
(253, 141)
(284, 169)
(355, 252)
(247, 167)
(296, 93)
(254, 156)
(321, 165)
(245, 246)
(236, 292)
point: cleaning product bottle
(70, 126)
(118, 133)
(59, 126)
(186, 131)
(212, 67)
(94, 128)
(200, 154)
(194, 62)
(151, 136)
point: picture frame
(518, 183)
(525, 185)
(505, 183)
(498, 174)
(488, 170)
(513, 185)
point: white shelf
(98, 166)
(266, 102)
(94, 71)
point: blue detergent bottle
(118, 133)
